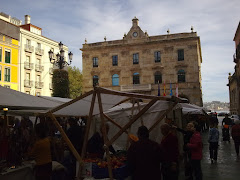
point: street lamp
(60, 62)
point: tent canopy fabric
(188, 108)
(16, 100)
(81, 105)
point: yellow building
(9, 53)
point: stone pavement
(226, 168)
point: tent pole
(66, 139)
(89, 122)
(139, 111)
(105, 136)
(132, 121)
(112, 121)
(36, 119)
(162, 116)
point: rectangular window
(157, 56)
(7, 74)
(7, 56)
(136, 58)
(0, 54)
(180, 55)
(28, 42)
(0, 73)
(115, 60)
(27, 59)
(95, 62)
(28, 76)
(38, 45)
(38, 78)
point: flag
(164, 89)
(171, 93)
(158, 89)
(176, 90)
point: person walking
(144, 157)
(225, 128)
(195, 145)
(187, 134)
(169, 145)
(236, 136)
(213, 142)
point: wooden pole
(66, 139)
(105, 136)
(113, 122)
(138, 105)
(132, 121)
(163, 115)
(89, 122)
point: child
(213, 142)
(41, 151)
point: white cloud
(73, 21)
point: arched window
(95, 80)
(115, 80)
(181, 76)
(136, 78)
(157, 77)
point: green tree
(75, 82)
(60, 83)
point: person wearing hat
(236, 136)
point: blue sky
(74, 20)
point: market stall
(99, 100)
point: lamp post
(5, 110)
(59, 61)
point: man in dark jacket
(74, 134)
(95, 144)
(169, 145)
(144, 157)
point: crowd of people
(146, 159)
(152, 160)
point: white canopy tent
(15, 100)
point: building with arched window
(141, 63)
(115, 80)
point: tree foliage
(60, 82)
(75, 82)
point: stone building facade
(234, 80)
(143, 63)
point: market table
(22, 172)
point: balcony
(28, 83)
(28, 48)
(39, 68)
(38, 85)
(28, 65)
(39, 51)
(136, 87)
